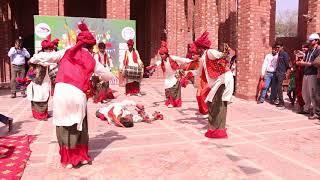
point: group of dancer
(79, 71)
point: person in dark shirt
(310, 76)
(280, 75)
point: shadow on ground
(101, 141)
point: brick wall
(253, 44)
(206, 18)
(313, 11)
(6, 38)
(118, 9)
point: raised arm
(47, 58)
(180, 60)
(25, 53)
(12, 51)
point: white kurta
(170, 74)
(119, 109)
(130, 60)
(39, 93)
(226, 78)
(96, 57)
(69, 102)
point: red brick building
(247, 25)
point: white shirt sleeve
(25, 53)
(180, 60)
(11, 52)
(47, 58)
(96, 57)
(158, 63)
(214, 54)
(103, 72)
(265, 65)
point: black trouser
(292, 95)
(4, 119)
(279, 78)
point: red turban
(192, 48)
(85, 35)
(203, 41)
(46, 44)
(163, 48)
(55, 42)
(130, 42)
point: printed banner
(114, 33)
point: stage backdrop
(114, 33)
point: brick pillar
(206, 18)
(177, 27)
(51, 7)
(253, 44)
(313, 11)
(6, 38)
(118, 9)
(227, 19)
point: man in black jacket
(280, 74)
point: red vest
(78, 70)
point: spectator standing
(18, 55)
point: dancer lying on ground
(120, 115)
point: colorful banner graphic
(114, 33)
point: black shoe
(280, 105)
(260, 102)
(10, 120)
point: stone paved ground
(264, 143)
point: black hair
(101, 45)
(126, 123)
(279, 43)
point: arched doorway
(150, 19)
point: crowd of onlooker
(301, 72)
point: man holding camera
(17, 55)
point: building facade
(248, 26)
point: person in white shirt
(17, 55)
(102, 91)
(132, 61)
(267, 72)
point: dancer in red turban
(76, 66)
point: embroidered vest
(216, 67)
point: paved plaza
(264, 142)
